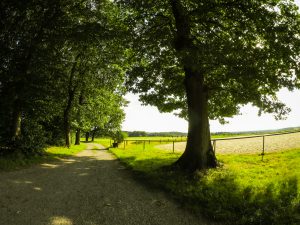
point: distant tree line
(155, 134)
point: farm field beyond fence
(247, 145)
(243, 190)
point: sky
(149, 119)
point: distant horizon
(148, 118)
(242, 131)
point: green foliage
(124, 134)
(157, 134)
(245, 190)
(32, 140)
(61, 68)
(157, 138)
(54, 131)
(17, 160)
(106, 142)
(119, 136)
(244, 50)
(59, 151)
(137, 133)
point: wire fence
(258, 144)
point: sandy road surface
(248, 146)
(89, 188)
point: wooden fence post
(263, 149)
(173, 146)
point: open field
(244, 190)
(217, 135)
(249, 145)
(180, 138)
(156, 138)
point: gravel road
(90, 188)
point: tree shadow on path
(81, 190)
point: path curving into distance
(91, 188)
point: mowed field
(247, 145)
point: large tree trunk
(199, 153)
(77, 140)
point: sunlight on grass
(63, 151)
(243, 190)
(106, 142)
(18, 160)
(60, 220)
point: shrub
(32, 140)
(119, 136)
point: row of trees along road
(64, 63)
(60, 70)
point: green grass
(59, 151)
(18, 161)
(217, 135)
(163, 138)
(244, 190)
(155, 138)
(106, 142)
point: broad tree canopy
(205, 59)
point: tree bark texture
(87, 135)
(199, 153)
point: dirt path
(90, 188)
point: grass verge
(106, 142)
(245, 190)
(17, 160)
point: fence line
(255, 136)
(252, 136)
(214, 141)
